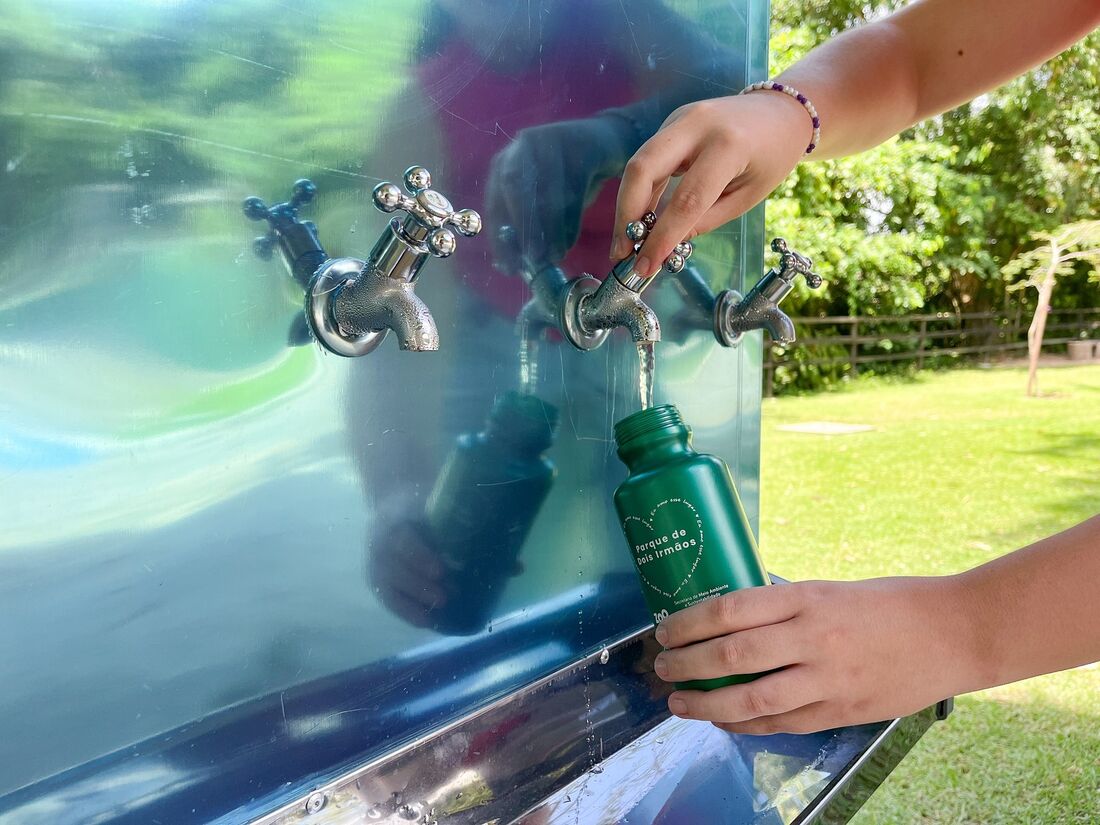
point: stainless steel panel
(593, 743)
(212, 554)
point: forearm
(1036, 610)
(870, 83)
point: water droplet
(597, 769)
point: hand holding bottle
(407, 573)
(844, 653)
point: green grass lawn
(960, 467)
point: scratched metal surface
(197, 518)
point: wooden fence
(844, 343)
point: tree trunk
(1039, 323)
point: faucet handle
(280, 216)
(639, 230)
(429, 209)
(792, 264)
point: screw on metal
(316, 802)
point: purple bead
(801, 99)
(810, 148)
(777, 87)
(817, 123)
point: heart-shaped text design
(680, 531)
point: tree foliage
(926, 221)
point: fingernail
(677, 706)
(641, 266)
(662, 635)
(661, 666)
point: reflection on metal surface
(465, 546)
(691, 772)
(193, 627)
(848, 792)
(297, 241)
(503, 759)
(534, 759)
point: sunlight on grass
(960, 467)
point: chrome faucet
(591, 309)
(729, 315)
(548, 284)
(351, 304)
(735, 315)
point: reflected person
(446, 569)
(530, 118)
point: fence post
(920, 346)
(854, 348)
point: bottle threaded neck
(634, 426)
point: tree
(1060, 254)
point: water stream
(646, 363)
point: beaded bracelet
(772, 86)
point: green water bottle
(682, 518)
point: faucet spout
(779, 325)
(548, 286)
(592, 309)
(374, 303)
(612, 305)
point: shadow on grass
(1080, 492)
(997, 761)
(1065, 445)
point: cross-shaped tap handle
(429, 208)
(638, 231)
(792, 264)
(278, 216)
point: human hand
(407, 573)
(843, 653)
(730, 153)
(408, 568)
(541, 182)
